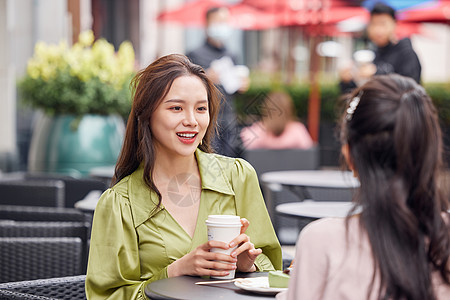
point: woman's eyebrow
(183, 101)
(175, 100)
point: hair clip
(352, 106)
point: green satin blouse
(132, 242)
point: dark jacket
(227, 142)
(207, 53)
(398, 58)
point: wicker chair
(48, 229)
(32, 192)
(10, 295)
(268, 160)
(45, 289)
(75, 188)
(32, 258)
(36, 213)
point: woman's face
(180, 121)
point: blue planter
(74, 145)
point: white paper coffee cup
(223, 228)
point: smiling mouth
(187, 135)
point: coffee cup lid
(223, 220)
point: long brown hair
(150, 86)
(395, 146)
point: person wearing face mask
(391, 55)
(213, 50)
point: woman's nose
(190, 119)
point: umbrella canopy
(190, 13)
(278, 5)
(325, 16)
(309, 12)
(241, 15)
(398, 4)
(438, 12)
(250, 18)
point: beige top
(327, 267)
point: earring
(201, 142)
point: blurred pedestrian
(220, 66)
(278, 128)
(391, 55)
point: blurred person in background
(391, 55)
(219, 64)
(398, 245)
(278, 128)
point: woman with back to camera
(398, 247)
(151, 224)
(278, 128)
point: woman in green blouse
(151, 224)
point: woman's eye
(175, 108)
(203, 108)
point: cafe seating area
(44, 239)
(44, 235)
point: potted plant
(83, 92)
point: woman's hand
(202, 262)
(245, 252)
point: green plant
(330, 99)
(300, 95)
(440, 93)
(87, 78)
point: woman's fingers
(245, 223)
(219, 256)
(242, 238)
(215, 244)
(255, 252)
(210, 263)
(219, 266)
(247, 246)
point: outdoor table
(313, 178)
(89, 202)
(315, 209)
(184, 287)
(299, 181)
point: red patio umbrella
(439, 12)
(190, 13)
(241, 15)
(323, 16)
(407, 29)
(250, 18)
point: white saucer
(259, 285)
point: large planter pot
(74, 145)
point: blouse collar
(213, 177)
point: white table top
(89, 202)
(316, 209)
(316, 178)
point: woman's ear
(345, 150)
